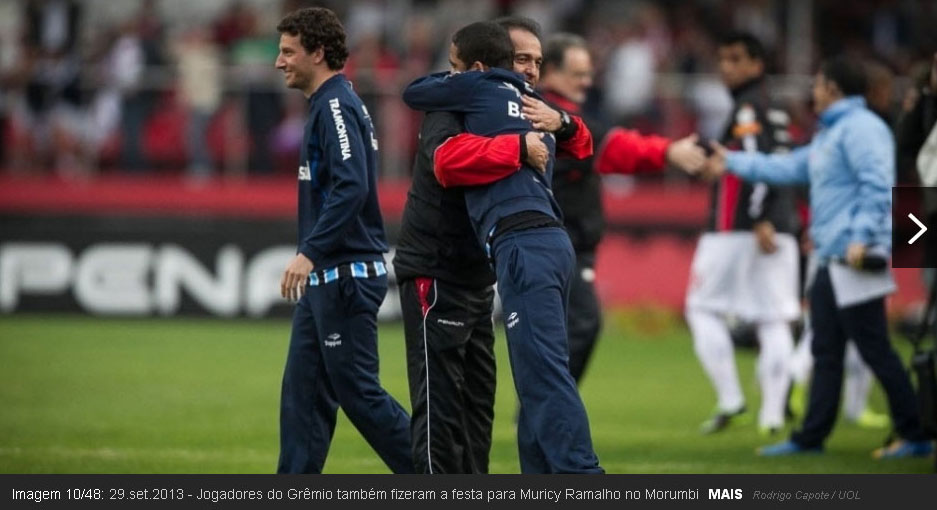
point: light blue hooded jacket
(850, 167)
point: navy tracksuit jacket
(491, 103)
(533, 267)
(332, 359)
(339, 217)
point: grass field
(87, 395)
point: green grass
(88, 395)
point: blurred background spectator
(179, 87)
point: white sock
(858, 382)
(713, 347)
(802, 359)
(774, 375)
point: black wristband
(523, 149)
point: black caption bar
(463, 491)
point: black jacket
(577, 188)
(436, 238)
(755, 125)
(910, 132)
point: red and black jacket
(578, 190)
(755, 125)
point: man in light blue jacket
(849, 166)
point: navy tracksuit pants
(533, 269)
(865, 324)
(333, 362)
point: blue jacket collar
(327, 84)
(840, 108)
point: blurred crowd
(170, 86)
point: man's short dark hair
(520, 22)
(486, 42)
(847, 73)
(554, 51)
(318, 27)
(753, 46)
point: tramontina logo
(340, 128)
(513, 319)
(334, 340)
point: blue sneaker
(900, 449)
(785, 448)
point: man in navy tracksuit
(338, 275)
(518, 222)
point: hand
(293, 283)
(854, 254)
(540, 115)
(686, 155)
(537, 153)
(716, 164)
(764, 234)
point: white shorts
(730, 275)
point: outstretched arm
(626, 151)
(790, 168)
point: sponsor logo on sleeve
(340, 128)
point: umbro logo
(513, 319)
(334, 340)
(507, 86)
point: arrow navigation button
(920, 225)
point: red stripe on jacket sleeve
(471, 160)
(580, 145)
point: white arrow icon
(919, 224)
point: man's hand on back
(541, 115)
(537, 153)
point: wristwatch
(565, 121)
(567, 127)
